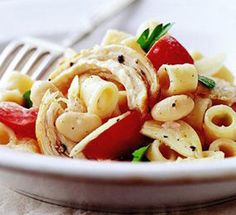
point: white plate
(120, 186)
(117, 186)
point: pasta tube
(220, 122)
(11, 96)
(101, 97)
(25, 145)
(15, 80)
(159, 151)
(131, 42)
(74, 102)
(206, 155)
(212, 155)
(6, 134)
(38, 90)
(227, 146)
(195, 118)
(114, 37)
(196, 55)
(178, 79)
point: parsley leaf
(28, 102)
(209, 83)
(146, 41)
(139, 153)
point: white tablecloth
(26, 17)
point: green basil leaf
(139, 153)
(209, 83)
(163, 32)
(146, 41)
(28, 102)
(142, 40)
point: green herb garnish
(146, 41)
(209, 83)
(28, 102)
(139, 153)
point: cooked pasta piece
(74, 90)
(114, 37)
(75, 126)
(195, 118)
(38, 90)
(178, 79)
(209, 65)
(225, 74)
(11, 96)
(122, 105)
(179, 136)
(25, 145)
(225, 145)
(211, 155)
(119, 37)
(159, 151)
(206, 155)
(132, 43)
(220, 122)
(100, 97)
(122, 102)
(214, 66)
(6, 134)
(172, 108)
(74, 102)
(15, 80)
(196, 55)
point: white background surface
(207, 25)
(210, 24)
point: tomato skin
(19, 119)
(119, 139)
(168, 50)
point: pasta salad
(131, 98)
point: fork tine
(6, 53)
(34, 58)
(19, 57)
(49, 60)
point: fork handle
(101, 15)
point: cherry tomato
(168, 50)
(121, 137)
(19, 119)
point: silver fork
(35, 57)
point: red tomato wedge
(168, 50)
(117, 137)
(19, 119)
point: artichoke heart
(117, 63)
(50, 141)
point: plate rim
(119, 172)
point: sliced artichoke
(50, 141)
(223, 92)
(119, 64)
(179, 136)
